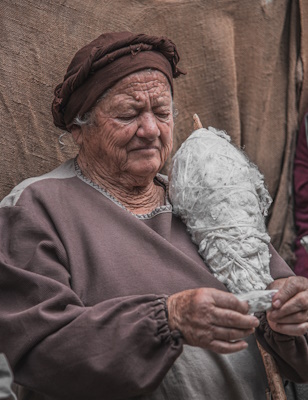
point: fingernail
(277, 303)
(255, 321)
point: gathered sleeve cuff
(122, 346)
(290, 352)
(57, 345)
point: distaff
(289, 314)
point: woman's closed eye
(163, 115)
(127, 117)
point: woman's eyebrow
(124, 105)
(162, 104)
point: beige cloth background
(246, 63)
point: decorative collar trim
(162, 180)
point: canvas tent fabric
(246, 64)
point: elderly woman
(103, 293)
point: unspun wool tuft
(221, 197)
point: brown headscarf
(100, 64)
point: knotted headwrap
(100, 64)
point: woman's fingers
(297, 304)
(233, 319)
(289, 288)
(230, 335)
(211, 319)
(289, 315)
(226, 300)
(298, 317)
(289, 329)
(223, 347)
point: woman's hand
(289, 314)
(211, 319)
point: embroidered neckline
(167, 207)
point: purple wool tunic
(83, 289)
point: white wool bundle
(221, 197)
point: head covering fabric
(100, 64)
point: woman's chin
(145, 170)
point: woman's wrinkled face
(133, 127)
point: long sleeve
(290, 352)
(83, 285)
(55, 343)
(301, 200)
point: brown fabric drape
(246, 64)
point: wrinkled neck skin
(140, 195)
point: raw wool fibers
(220, 196)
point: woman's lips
(145, 148)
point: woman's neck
(137, 198)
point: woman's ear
(77, 134)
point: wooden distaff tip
(275, 382)
(197, 122)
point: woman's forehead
(139, 89)
(143, 81)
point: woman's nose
(147, 126)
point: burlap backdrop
(243, 64)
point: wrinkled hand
(211, 319)
(289, 314)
